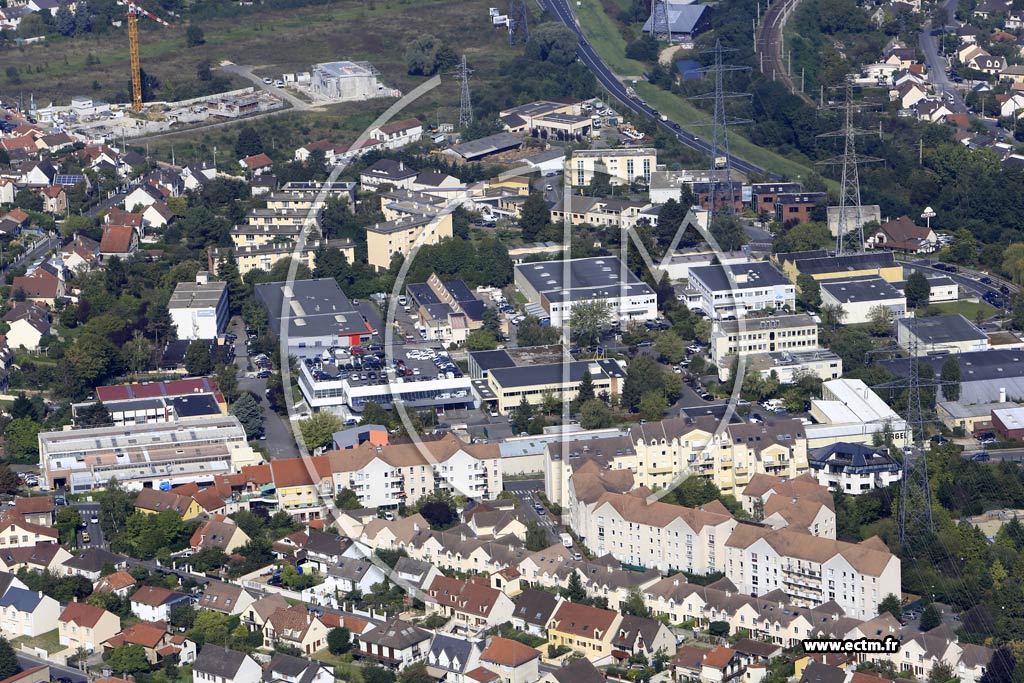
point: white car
(548, 187)
(268, 81)
(94, 520)
(279, 84)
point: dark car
(264, 374)
(985, 280)
(981, 456)
(1004, 289)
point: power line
(660, 28)
(851, 213)
(518, 22)
(466, 104)
(720, 171)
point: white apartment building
(199, 309)
(657, 535)
(752, 287)
(812, 570)
(390, 475)
(622, 165)
(854, 468)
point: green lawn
(967, 309)
(604, 35)
(684, 113)
(49, 641)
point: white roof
(865, 404)
(1012, 418)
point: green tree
(805, 236)
(879, 321)
(588, 319)
(917, 290)
(208, 560)
(574, 590)
(481, 340)
(183, 616)
(536, 537)
(137, 353)
(21, 437)
(532, 333)
(375, 414)
(194, 36)
(9, 481)
(8, 660)
(644, 375)
(198, 360)
(809, 289)
(65, 20)
(595, 414)
(67, 522)
(415, 673)
(347, 500)
(653, 405)
(930, 617)
(521, 416)
(951, 373)
(339, 640)
(585, 391)
(127, 659)
(318, 430)
(635, 605)
(670, 347)
(728, 232)
(534, 217)
(248, 143)
(248, 411)
(891, 604)
(116, 505)
(942, 673)
(375, 673)
(421, 55)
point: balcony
(790, 569)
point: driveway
(246, 72)
(279, 442)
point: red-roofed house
(81, 254)
(152, 603)
(513, 661)
(720, 665)
(118, 240)
(35, 509)
(120, 583)
(152, 637)
(295, 626)
(83, 626)
(302, 153)
(42, 286)
(257, 164)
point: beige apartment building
(762, 335)
(610, 212)
(622, 165)
(384, 240)
(659, 452)
(265, 256)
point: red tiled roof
(398, 126)
(292, 472)
(154, 596)
(144, 633)
(114, 582)
(260, 160)
(27, 505)
(582, 620)
(41, 284)
(507, 652)
(177, 387)
(82, 614)
(719, 657)
(117, 239)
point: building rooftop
(779, 322)
(861, 290)
(345, 69)
(555, 373)
(815, 264)
(943, 329)
(582, 278)
(195, 295)
(311, 308)
(747, 276)
(617, 152)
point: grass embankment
(603, 34)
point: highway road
(561, 10)
(967, 280)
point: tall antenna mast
(851, 212)
(466, 105)
(660, 27)
(720, 172)
(518, 24)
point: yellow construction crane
(133, 45)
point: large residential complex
(145, 455)
(400, 236)
(621, 166)
(558, 286)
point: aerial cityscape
(415, 341)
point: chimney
(401, 165)
(1002, 394)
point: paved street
(526, 491)
(88, 511)
(936, 63)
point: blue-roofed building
(685, 20)
(854, 468)
(450, 656)
(27, 613)
(445, 310)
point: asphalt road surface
(96, 539)
(27, 661)
(561, 10)
(526, 491)
(936, 64)
(968, 282)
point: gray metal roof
(747, 275)
(315, 308)
(219, 661)
(859, 290)
(488, 145)
(599, 276)
(681, 18)
(554, 373)
(941, 329)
